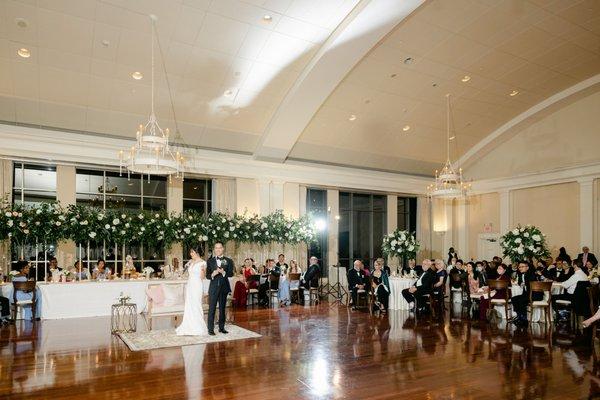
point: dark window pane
(199, 206)
(88, 181)
(379, 203)
(402, 205)
(116, 184)
(361, 202)
(317, 199)
(123, 202)
(344, 235)
(196, 189)
(34, 198)
(361, 235)
(344, 201)
(155, 203)
(379, 225)
(93, 200)
(412, 217)
(157, 186)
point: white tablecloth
(397, 302)
(92, 298)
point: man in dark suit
(356, 280)
(412, 266)
(421, 287)
(587, 256)
(311, 277)
(218, 270)
(281, 263)
(263, 288)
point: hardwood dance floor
(304, 353)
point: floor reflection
(317, 352)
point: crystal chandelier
(151, 154)
(448, 183)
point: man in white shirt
(571, 284)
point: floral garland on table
(524, 243)
(401, 244)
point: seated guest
(240, 290)
(586, 256)
(379, 272)
(571, 284)
(101, 272)
(452, 254)
(441, 276)
(563, 256)
(85, 273)
(475, 279)
(281, 262)
(563, 271)
(490, 269)
(247, 271)
(311, 277)
(520, 302)
(502, 276)
(421, 287)
(386, 268)
(295, 269)
(366, 270)
(24, 268)
(457, 271)
(284, 288)
(540, 269)
(263, 287)
(412, 268)
(381, 293)
(356, 280)
(480, 268)
(452, 263)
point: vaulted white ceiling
(319, 81)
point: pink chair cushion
(156, 294)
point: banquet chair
(24, 287)
(155, 310)
(496, 284)
(594, 295)
(461, 288)
(273, 291)
(362, 295)
(545, 303)
(253, 293)
(295, 288)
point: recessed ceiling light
(352, 117)
(105, 42)
(228, 93)
(466, 78)
(267, 18)
(137, 75)
(406, 128)
(23, 52)
(452, 138)
(513, 93)
(408, 61)
(21, 22)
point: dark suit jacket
(312, 275)
(219, 285)
(427, 281)
(355, 278)
(590, 257)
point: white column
(264, 196)
(276, 196)
(504, 211)
(291, 199)
(66, 177)
(586, 212)
(333, 205)
(302, 201)
(392, 213)
(462, 228)
(246, 194)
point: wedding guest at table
(441, 275)
(520, 302)
(366, 270)
(563, 271)
(475, 280)
(421, 287)
(491, 269)
(294, 267)
(570, 284)
(265, 283)
(4, 309)
(412, 268)
(457, 271)
(311, 277)
(586, 256)
(101, 272)
(240, 291)
(563, 256)
(381, 293)
(281, 262)
(386, 268)
(502, 276)
(284, 288)
(356, 280)
(379, 272)
(83, 275)
(24, 268)
(452, 254)
(247, 271)
(480, 268)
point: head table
(92, 298)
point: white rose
(107, 226)
(226, 234)
(526, 234)
(156, 215)
(393, 242)
(537, 238)
(205, 238)
(92, 234)
(520, 250)
(223, 220)
(187, 230)
(58, 223)
(37, 223)
(8, 214)
(26, 231)
(123, 216)
(84, 222)
(231, 228)
(127, 225)
(38, 211)
(116, 221)
(411, 248)
(518, 240)
(515, 231)
(142, 229)
(530, 247)
(122, 232)
(10, 223)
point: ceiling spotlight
(21, 22)
(105, 43)
(267, 18)
(228, 93)
(466, 78)
(137, 75)
(513, 93)
(406, 128)
(408, 61)
(352, 117)
(452, 138)
(23, 52)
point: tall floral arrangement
(47, 223)
(401, 244)
(524, 243)
(192, 228)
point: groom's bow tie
(219, 258)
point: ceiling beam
(360, 31)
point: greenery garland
(49, 222)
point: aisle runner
(137, 341)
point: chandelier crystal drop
(152, 154)
(449, 183)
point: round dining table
(397, 284)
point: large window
(407, 213)
(197, 195)
(316, 205)
(362, 226)
(109, 189)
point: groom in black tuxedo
(218, 270)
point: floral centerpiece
(12, 274)
(148, 271)
(401, 244)
(524, 243)
(124, 298)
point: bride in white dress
(193, 315)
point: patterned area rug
(149, 340)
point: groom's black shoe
(211, 333)
(223, 331)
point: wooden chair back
(274, 281)
(294, 277)
(26, 287)
(254, 278)
(594, 294)
(540, 287)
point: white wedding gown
(193, 315)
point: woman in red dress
(240, 292)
